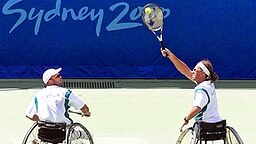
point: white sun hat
(49, 73)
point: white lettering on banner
(82, 14)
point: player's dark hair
(213, 76)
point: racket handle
(162, 45)
(163, 48)
(79, 113)
(75, 112)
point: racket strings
(154, 19)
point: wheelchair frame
(232, 137)
(31, 136)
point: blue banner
(107, 39)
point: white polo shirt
(205, 98)
(52, 104)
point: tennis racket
(78, 112)
(153, 18)
(75, 112)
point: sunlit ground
(133, 116)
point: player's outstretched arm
(179, 64)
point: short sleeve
(200, 99)
(32, 108)
(75, 101)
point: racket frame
(159, 31)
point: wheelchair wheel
(78, 134)
(31, 135)
(187, 137)
(232, 136)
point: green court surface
(133, 116)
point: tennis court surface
(133, 116)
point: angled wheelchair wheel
(78, 134)
(31, 136)
(232, 136)
(187, 137)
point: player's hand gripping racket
(152, 16)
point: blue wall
(106, 39)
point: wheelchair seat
(51, 132)
(211, 131)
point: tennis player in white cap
(205, 106)
(52, 102)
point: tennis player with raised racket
(205, 106)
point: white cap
(49, 73)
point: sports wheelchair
(55, 133)
(215, 133)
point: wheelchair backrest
(52, 132)
(212, 131)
